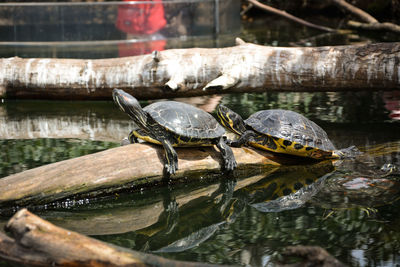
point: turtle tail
(346, 153)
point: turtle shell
(185, 120)
(291, 126)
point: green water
(350, 209)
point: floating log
(37, 242)
(112, 170)
(199, 71)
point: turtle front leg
(171, 158)
(244, 139)
(227, 155)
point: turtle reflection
(289, 189)
(201, 218)
(371, 181)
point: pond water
(349, 208)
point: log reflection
(199, 213)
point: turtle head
(230, 119)
(129, 105)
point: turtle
(282, 131)
(172, 124)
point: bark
(113, 170)
(37, 242)
(199, 71)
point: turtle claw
(171, 168)
(230, 165)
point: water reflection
(325, 205)
(250, 219)
(20, 155)
(100, 121)
(185, 217)
(369, 181)
(392, 103)
(357, 118)
(338, 107)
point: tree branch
(364, 16)
(371, 22)
(289, 16)
(386, 26)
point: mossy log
(36, 242)
(113, 170)
(199, 71)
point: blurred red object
(392, 103)
(140, 48)
(143, 18)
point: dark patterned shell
(290, 125)
(185, 120)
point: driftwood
(132, 166)
(196, 71)
(37, 242)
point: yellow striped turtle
(282, 131)
(170, 124)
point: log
(199, 71)
(132, 166)
(37, 242)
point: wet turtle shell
(185, 120)
(291, 129)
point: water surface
(245, 218)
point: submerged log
(113, 170)
(37, 242)
(198, 71)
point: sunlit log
(187, 72)
(132, 166)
